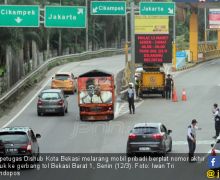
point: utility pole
(60, 40)
(8, 62)
(87, 28)
(132, 62)
(126, 38)
(174, 44)
(205, 32)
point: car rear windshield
(50, 96)
(145, 130)
(13, 137)
(61, 76)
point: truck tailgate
(153, 79)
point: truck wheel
(63, 112)
(140, 94)
(81, 118)
(111, 117)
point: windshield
(145, 130)
(61, 77)
(50, 96)
(15, 138)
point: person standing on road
(215, 112)
(136, 86)
(191, 139)
(130, 95)
(168, 86)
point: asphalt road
(69, 135)
(63, 134)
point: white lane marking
(121, 111)
(213, 62)
(199, 142)
(22, 110)
(117, 110)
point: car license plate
(144, 148)
(12, 150)
(50, 110)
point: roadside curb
(191, 65)
(188, 66)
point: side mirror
(52, 77)
(38, 136)
(212, 145)
(169, 131)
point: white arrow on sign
(94, 10)
(80, 11)
(18, 20)
(170, 10)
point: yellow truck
(151, 81)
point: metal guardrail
(211, 54)
(45, 65)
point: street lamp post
(60, 40)
(132, 62)
(205, 32)
(87, 28)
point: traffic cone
(184, 95)
(174, 95)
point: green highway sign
(19, 16)
(108, 7)
(65, 16)
(157, 8)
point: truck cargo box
(152, 83)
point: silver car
(52, 101)
(149, 138)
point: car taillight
(39, 102)
(157, 136)
(60, 102)
(132, 136)
(27, 147)
(213, 153)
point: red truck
(96, 95)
